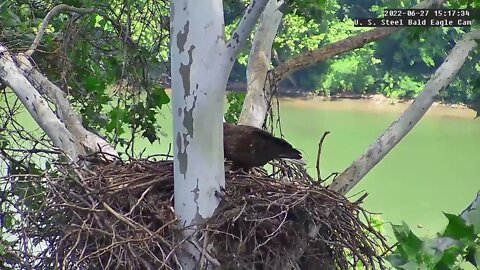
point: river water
(435, 168)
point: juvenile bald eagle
(248, 147)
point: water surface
(434, 168)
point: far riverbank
(376, 104)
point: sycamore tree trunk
(199, 77)
(258, 99)
(201, 63)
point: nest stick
(319, 178)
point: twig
(204, 252)
(139, 200)
(319, 178)
(120, 217)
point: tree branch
(257, 100)
(321, 54)
(89, 140)
(37, 106)
(398, 129)
(472, 211)
(245, 26)
(56, 10)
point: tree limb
(398, 129)
(472, 211)
(56, 10)
(321, 54)
(343, 179)
(257, 100)
(37, 106)
(89, 140)
(245, 26)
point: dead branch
(320, 144)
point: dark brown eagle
(248, 147)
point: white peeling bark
(245, 26)
(398, 129)
(471, 214)
(37, 106)
(199, 73)
(52, 13)
(257, 100)
(200, 69)
(89, 140)
(201, 63)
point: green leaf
(150, 134)
(396, 260)
(48, 166)
(473, 255)
(92, 84)
(457, 228)
(411, 265)
(7, 221)
(449, 258)
(159, 97)
(410, 243)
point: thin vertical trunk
(259, 90)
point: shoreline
(374, 104)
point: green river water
(434, 168)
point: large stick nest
(120, 216)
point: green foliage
(235, 102)
(400, 87)
(109, 73)
(459, 243)
(397, 66)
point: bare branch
(245, 26)
(37, 106)
(56, 10)
(73, 123)
(320, 144)
(262, 85)
(257, 100)
(321, 54)
(398, 129)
